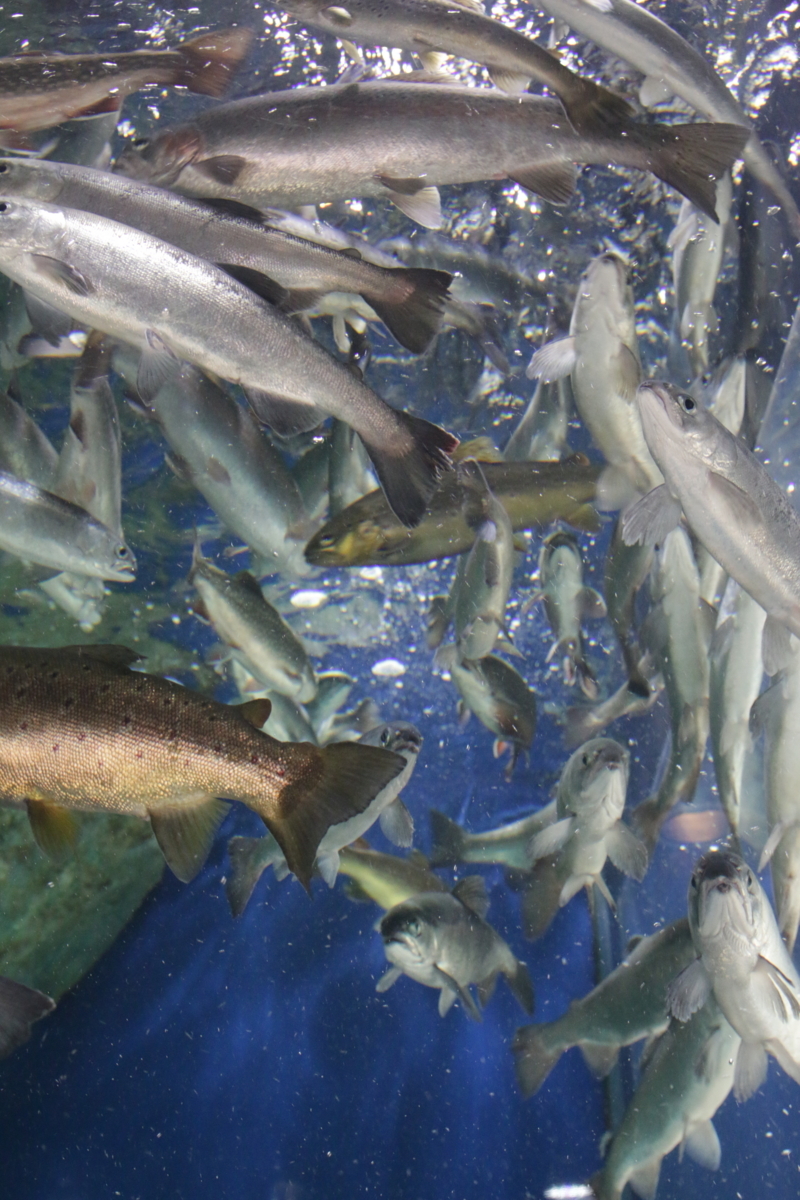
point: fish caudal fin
(409, 476)
(249, 857)
(691, 158)
(211, 60)
(342, 780)
(519, 981)
(20, 1006)
(413, 310)
(532, 1061)
(449, 840)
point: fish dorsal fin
(185, 833)
(248, 581)
(256, 712)
(109, 654)
(54, 829)
(471, 891)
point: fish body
(740, 515)
(541, 432)
(532, 494)
(79, 731)
(25, 451)
(567, 602)
(171, 305)
(386, 879)
(400, 140)
(697, 245)
(497, 695)
(508, 844)
(627, 1006)
(38, 91)
(483, 588)
(626, 569)
(743, 965)
(251, 856)
(583, 721)
(440, 939)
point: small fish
(732, 505)
(79, 731)
(349, 473)
(508, 844)
(743, 965)
(567, 603)
(20, 1006)
(250, 857)
(25, 451)
(38, 91)
(482, 589)
(542, 431)
(626, 569)
(588, 829)
(386, 879)
(333, 688)
(499, 698)
(627, 1006)
(443, 941)
(533, 495)
(583, 721)
(256, 632)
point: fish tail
(596, 111)
(648, 817)
(691, 158)
(249, 857)
(409, 476)
(211, 60)
(340, 782)
(414, 307)
(519, 981)
(20, 1006)
(449, 840)
(533, 1063)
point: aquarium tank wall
(399, 596)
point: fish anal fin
(20, 1006)
(702, 1144)
(185, 833)
(600, 1059)
(514, 83)
(54, 828)
(533, 1061)
(553, 181)
(419, 201)
(249, 858)
(284, 417)
(644, 1179)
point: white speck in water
(308, 598)
(375, 573)
(388, 668)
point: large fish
(287, 270)
(38, 91)
(629, 1004)
(443, 941)
(80, 731)
(743, 965)
(732, 505)
(400, 140)
(171, 306)
(533, 495)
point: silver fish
(443, 941)
(541, 432)
(583, 721)
(626, 569)
(24, 450)
(349, 473)
(567, 603)
(508, 844)
(483, 586)
(743, 964)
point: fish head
(339, 544)
(409, 940)
(673, 420)
(28, 225)
(560, 556)
(595, 780)
(161, 159)
(400, 737)
(605, 293)
(37, 180)
(727, 906)
(109, 550)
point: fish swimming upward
(80, 731)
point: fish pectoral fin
(773, 841)
(256, 712)
(471, 891)
(650, 519)
(486, 988)
(554, 360)
(553, 181)
(57, 271)
(284, 417)
(157, 366)
(602, 888)
(223, 168)
(592, 604)
(328, 866)
(551, 839)
(185, 833)
(20, 1006)
(688, 991)
(743, 510)
(776, 650)
(397, 824)
(419, 201)
(782, 991)
(750, 1071)
(447, 999)
(702, 1144)
(644, 1179)
(249, 858)
(53, 827)
(388, 980)
(451, 987)
(49, 322)
(514, 83)
(627, 852)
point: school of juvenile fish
(344, 409)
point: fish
(513, 60)
(601, 356)
(80, 731)
(671, 66)
(482, 589)
(173, 306)
(533, 495)
(285, 269)
(38, 91)
(498, 696)
(288, 721)
(743, 965)
(626, 568)
(306, 145)
(588, 829)
(628, 1005)
(508, 844)
(677, 631)
(583, 721)
(567, 603)
(386, 879)
(20, 1007)
(541, 433)
(256, 632)
(40, 527)
(25, 451)
(442, 940)
(250, 857)
(688, 1075)
(349, 473)
(731, 504)
(333, 689)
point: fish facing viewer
(567, 603)
(442, 941)
(743, 963)
(80, 731)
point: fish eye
(694, 882)
(414, 928)
(3, 206)
(688, 404)
(139, 143)
(122, 551)
(3, 168)
(385, 737)
(586, 759)
(326, 540)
